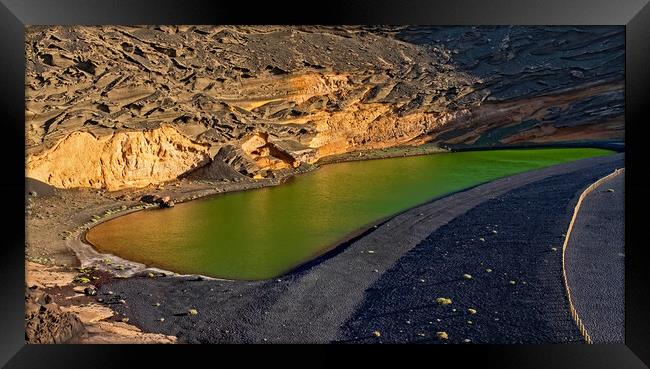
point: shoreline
(203, 192)
(275, 310)
(94, 257)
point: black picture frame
(16, 14)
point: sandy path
(595, 262)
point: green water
(266, 232)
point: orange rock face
(121, 160)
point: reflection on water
(266, 232)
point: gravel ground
(350, 292)
(595, 262)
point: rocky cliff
(115, 107)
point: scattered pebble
(192, 312)
(443, 301)
(376, 333)
(161, 319)
(467, 340)
(156, 304)
(371, 252)
(610, 190)
(481, 239)
(376, 271)
(488, 270)
(513, 282)
(442, 335)
(422, 280)
(471, 311)
(467, 276)
(121, 301)
(554, 248)
(125, 320)
(150, 275)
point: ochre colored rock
(120, 160)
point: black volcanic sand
(374, 282)
(595, 262)
(518, 236)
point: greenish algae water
(263, 233)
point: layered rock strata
(119, 107)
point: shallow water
(263, 233)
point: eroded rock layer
(115, 106)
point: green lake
(264, 233)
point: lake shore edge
(88, 258)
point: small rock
(488, 270)
(121, 301)
(467, 276)
(494, 231)
(125, 320)
(192, 312)
(513, 282)
(467, 340)
(161, 319)
(89, 291)
(610, 190)
(554, 248)
(78, 289)
(156, 304)
(442, 335)
(376, 334)
(371, 252)
(376, 271)
(471, 311)
(443, 301)
(150, 275)
(481, 239)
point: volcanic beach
(505, 235)
(123, 120)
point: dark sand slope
(518, 236)
(595, 262)
(312, 304)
